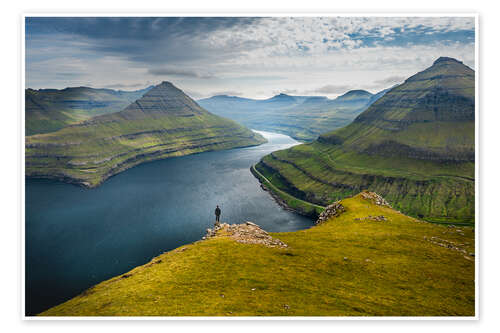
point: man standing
(217, 214)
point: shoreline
(286, 200)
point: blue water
(77, 237)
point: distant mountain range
(48, 110)
(301, 117)
(164, 122)
(414, 146)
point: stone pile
(247, 233)
(375, 198)
(333, 210)
(379, 218)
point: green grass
(415, 146)
(344, 267)
(298, 205)
(90, 152)
(49, 110)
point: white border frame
(22, 34)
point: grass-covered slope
(351, 265)
(163, 123)
(301, 117)
(48, 110)
(414, 146)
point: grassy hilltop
(163, 123)
(414, 146)
(351, 265)
(49, 110)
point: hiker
(217, 214)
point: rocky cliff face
(163, 123)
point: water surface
(77, 237)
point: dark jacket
(217, 211)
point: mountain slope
(415, 146)
(350, 265)
(301, 117)
(48, 110)
(163, 123)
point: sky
(254, 57)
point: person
(217, 213)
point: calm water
(77, 237)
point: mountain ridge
(163, 123)
(415, 146)
(301, 117)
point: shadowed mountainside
(163, 123)
(415, 146)
(48, 110)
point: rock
(375, 198)
(333, 210)
(247, 233)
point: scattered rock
(374, 198)
(449, 245)
(345, 258)
(372, 218)
(286, 306)
(333, 210)
(247, 233)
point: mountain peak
(355, 94)
(164, 98)
(446, 59)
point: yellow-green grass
(347, 266)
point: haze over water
(77, 237)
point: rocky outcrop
(247, 233)
(333, 210)
(374, 198)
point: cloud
(180, 72)
(226, 92)
(126, 86)
(253, 56)
(332, 89)
(390, 80)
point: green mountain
(301, 117)
(48, 110)
(415, 146)
(365, 260)
(163, 123)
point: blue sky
(250, 57)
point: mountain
(164, 122)
(354, 95)
(414, 145)
(48, 110)
(368, 260)
(301, 117)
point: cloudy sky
(249, 57)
